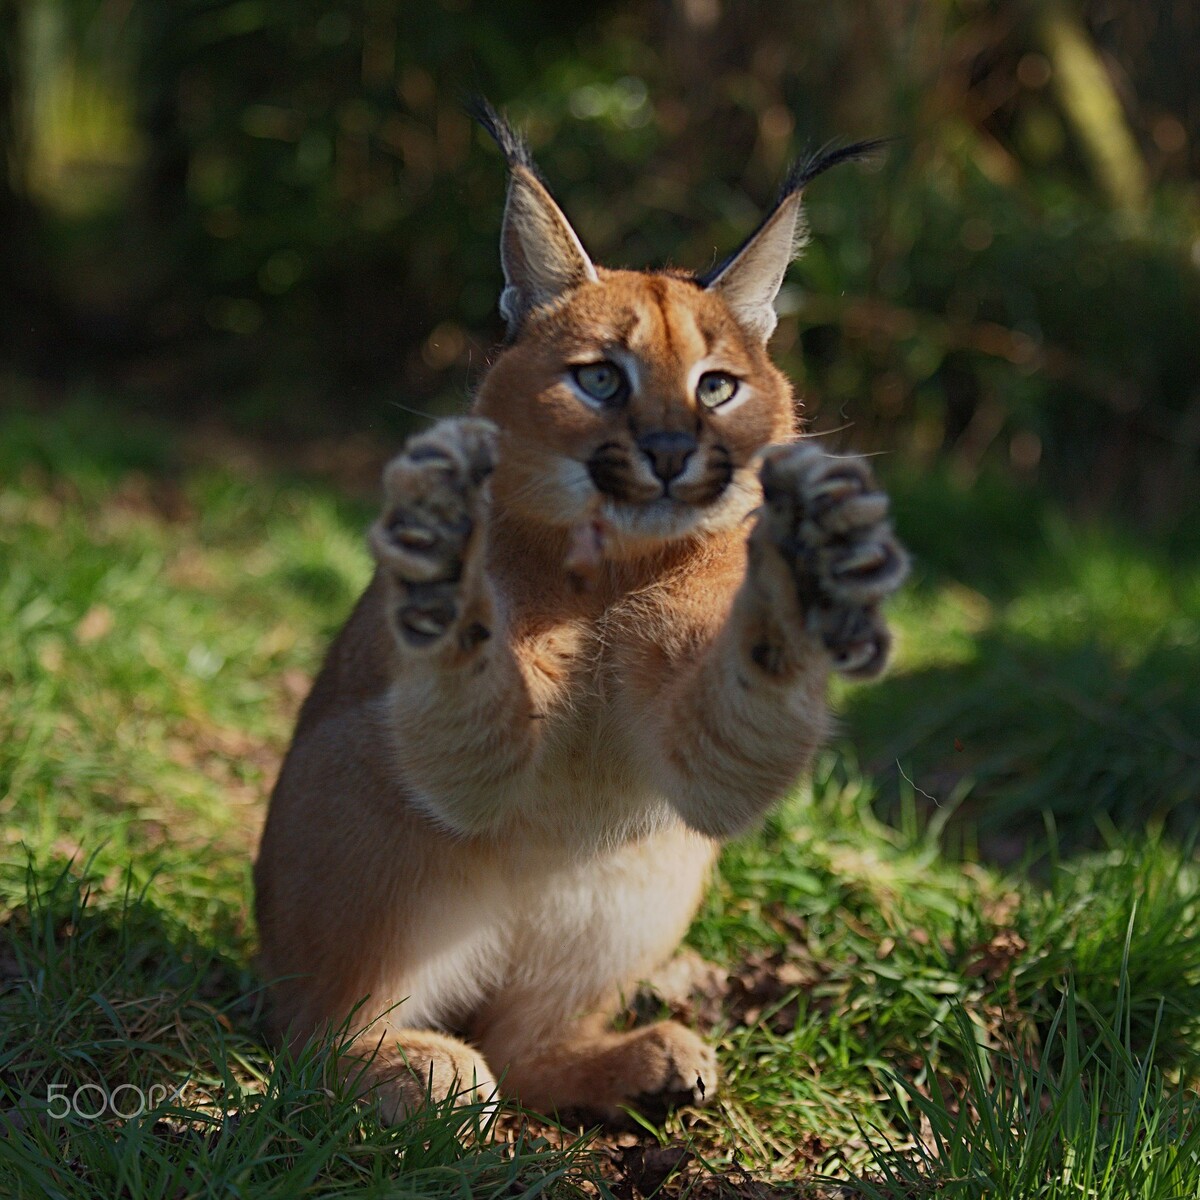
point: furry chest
(588, 787)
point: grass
(1080, 1119)
(1049, 666)
(892, 1015)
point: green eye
(716, 388)
(601, 381)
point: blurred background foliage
(278, 214)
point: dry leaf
(95, 624)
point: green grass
(1066, 1116)
(901, 1019)
(1045, 665)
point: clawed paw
(435, 505)
(674, 1067)
(827, 518)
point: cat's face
(638, 399)
(635, 400)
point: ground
(963, 960)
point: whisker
(416, 412)
(824, 433)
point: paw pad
(435, 502)
(828, 518)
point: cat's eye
(601, 380)
(716, 388)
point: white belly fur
(590, 882)
(549, 933)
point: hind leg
(591, 934)
(587, 1066)
(408, 1069)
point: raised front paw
(827, 519)
(429, 533)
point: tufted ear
(541, 254)
(750, 279)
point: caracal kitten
(595, 647)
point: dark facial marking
(608, 467)
(659, 290)
(718, 472)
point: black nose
(668, 452)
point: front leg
(459, 704)
(739, 726)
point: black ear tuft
(512, 145)
(541, 254)
(806, 169)
(802, 172)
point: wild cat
(596, 645)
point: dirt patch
(636, 1165)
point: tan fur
(509, 784)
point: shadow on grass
(130, 1065)
(997, 535)
(1069, 694)
(1028, 728)
(95, 979)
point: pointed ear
(750, 279)
(542, 255)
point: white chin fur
(658, 521)
(571, 496)
(666, 520)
